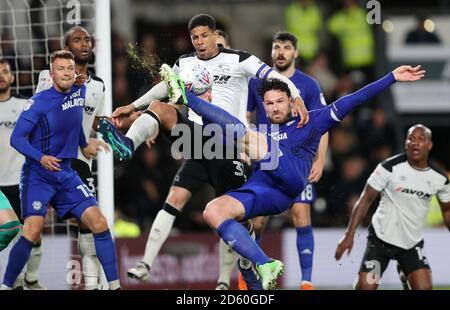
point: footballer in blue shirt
(48, 133)
(282, 157)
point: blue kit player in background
(284, 54)
(48, 133)
(272, 188)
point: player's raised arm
(408, 73)
(360, 209)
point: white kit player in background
(78, 41)
(231, 70)
(406, 183)
(11, 105)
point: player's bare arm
(445, 208)
(359, 212)
(299, 109)
(319, 162)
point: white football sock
(114, 285)
(227, 257)
(89, 260)
(159, 232)
(33, 263)
(145, 127)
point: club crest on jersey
(37, 205)
(27, 105)
(224, 68)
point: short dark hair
(61, 54)
(285, 36)
(5, 62)
(426, 130)
(224, 35)
(70, 32)
(202, 20)
(274, 84)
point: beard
(4, 89)
(282, 121)
(283, 67)
(83, 60)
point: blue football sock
(258, 238)
(305, 247)
(213, 114)
(18, 257)
(238, 238)
(106, 253)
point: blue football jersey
(57, 119)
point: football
(196, 77)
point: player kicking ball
(272, 188)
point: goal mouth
(31, 30)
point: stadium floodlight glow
(388, 26)
(429, 25)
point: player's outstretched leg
(175, 86)
(220, 214)
(160, 230)
(121, 145)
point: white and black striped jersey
(11, 161)
(93, 106)
(231, 70)
(406, 193)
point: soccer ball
(196, 77)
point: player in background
(223, 39)
(9, 223)
(284, 54)
(231, 70)
(406, 183)
(78, 41)
(10, 107)
(48, 133)
(273, 186)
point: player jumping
(273, 189)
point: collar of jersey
(220, 51)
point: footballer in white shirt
(406, 183)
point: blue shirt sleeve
(19, 139)
(36, 107)
(329, 116)
(251, 100)
(315, 99)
